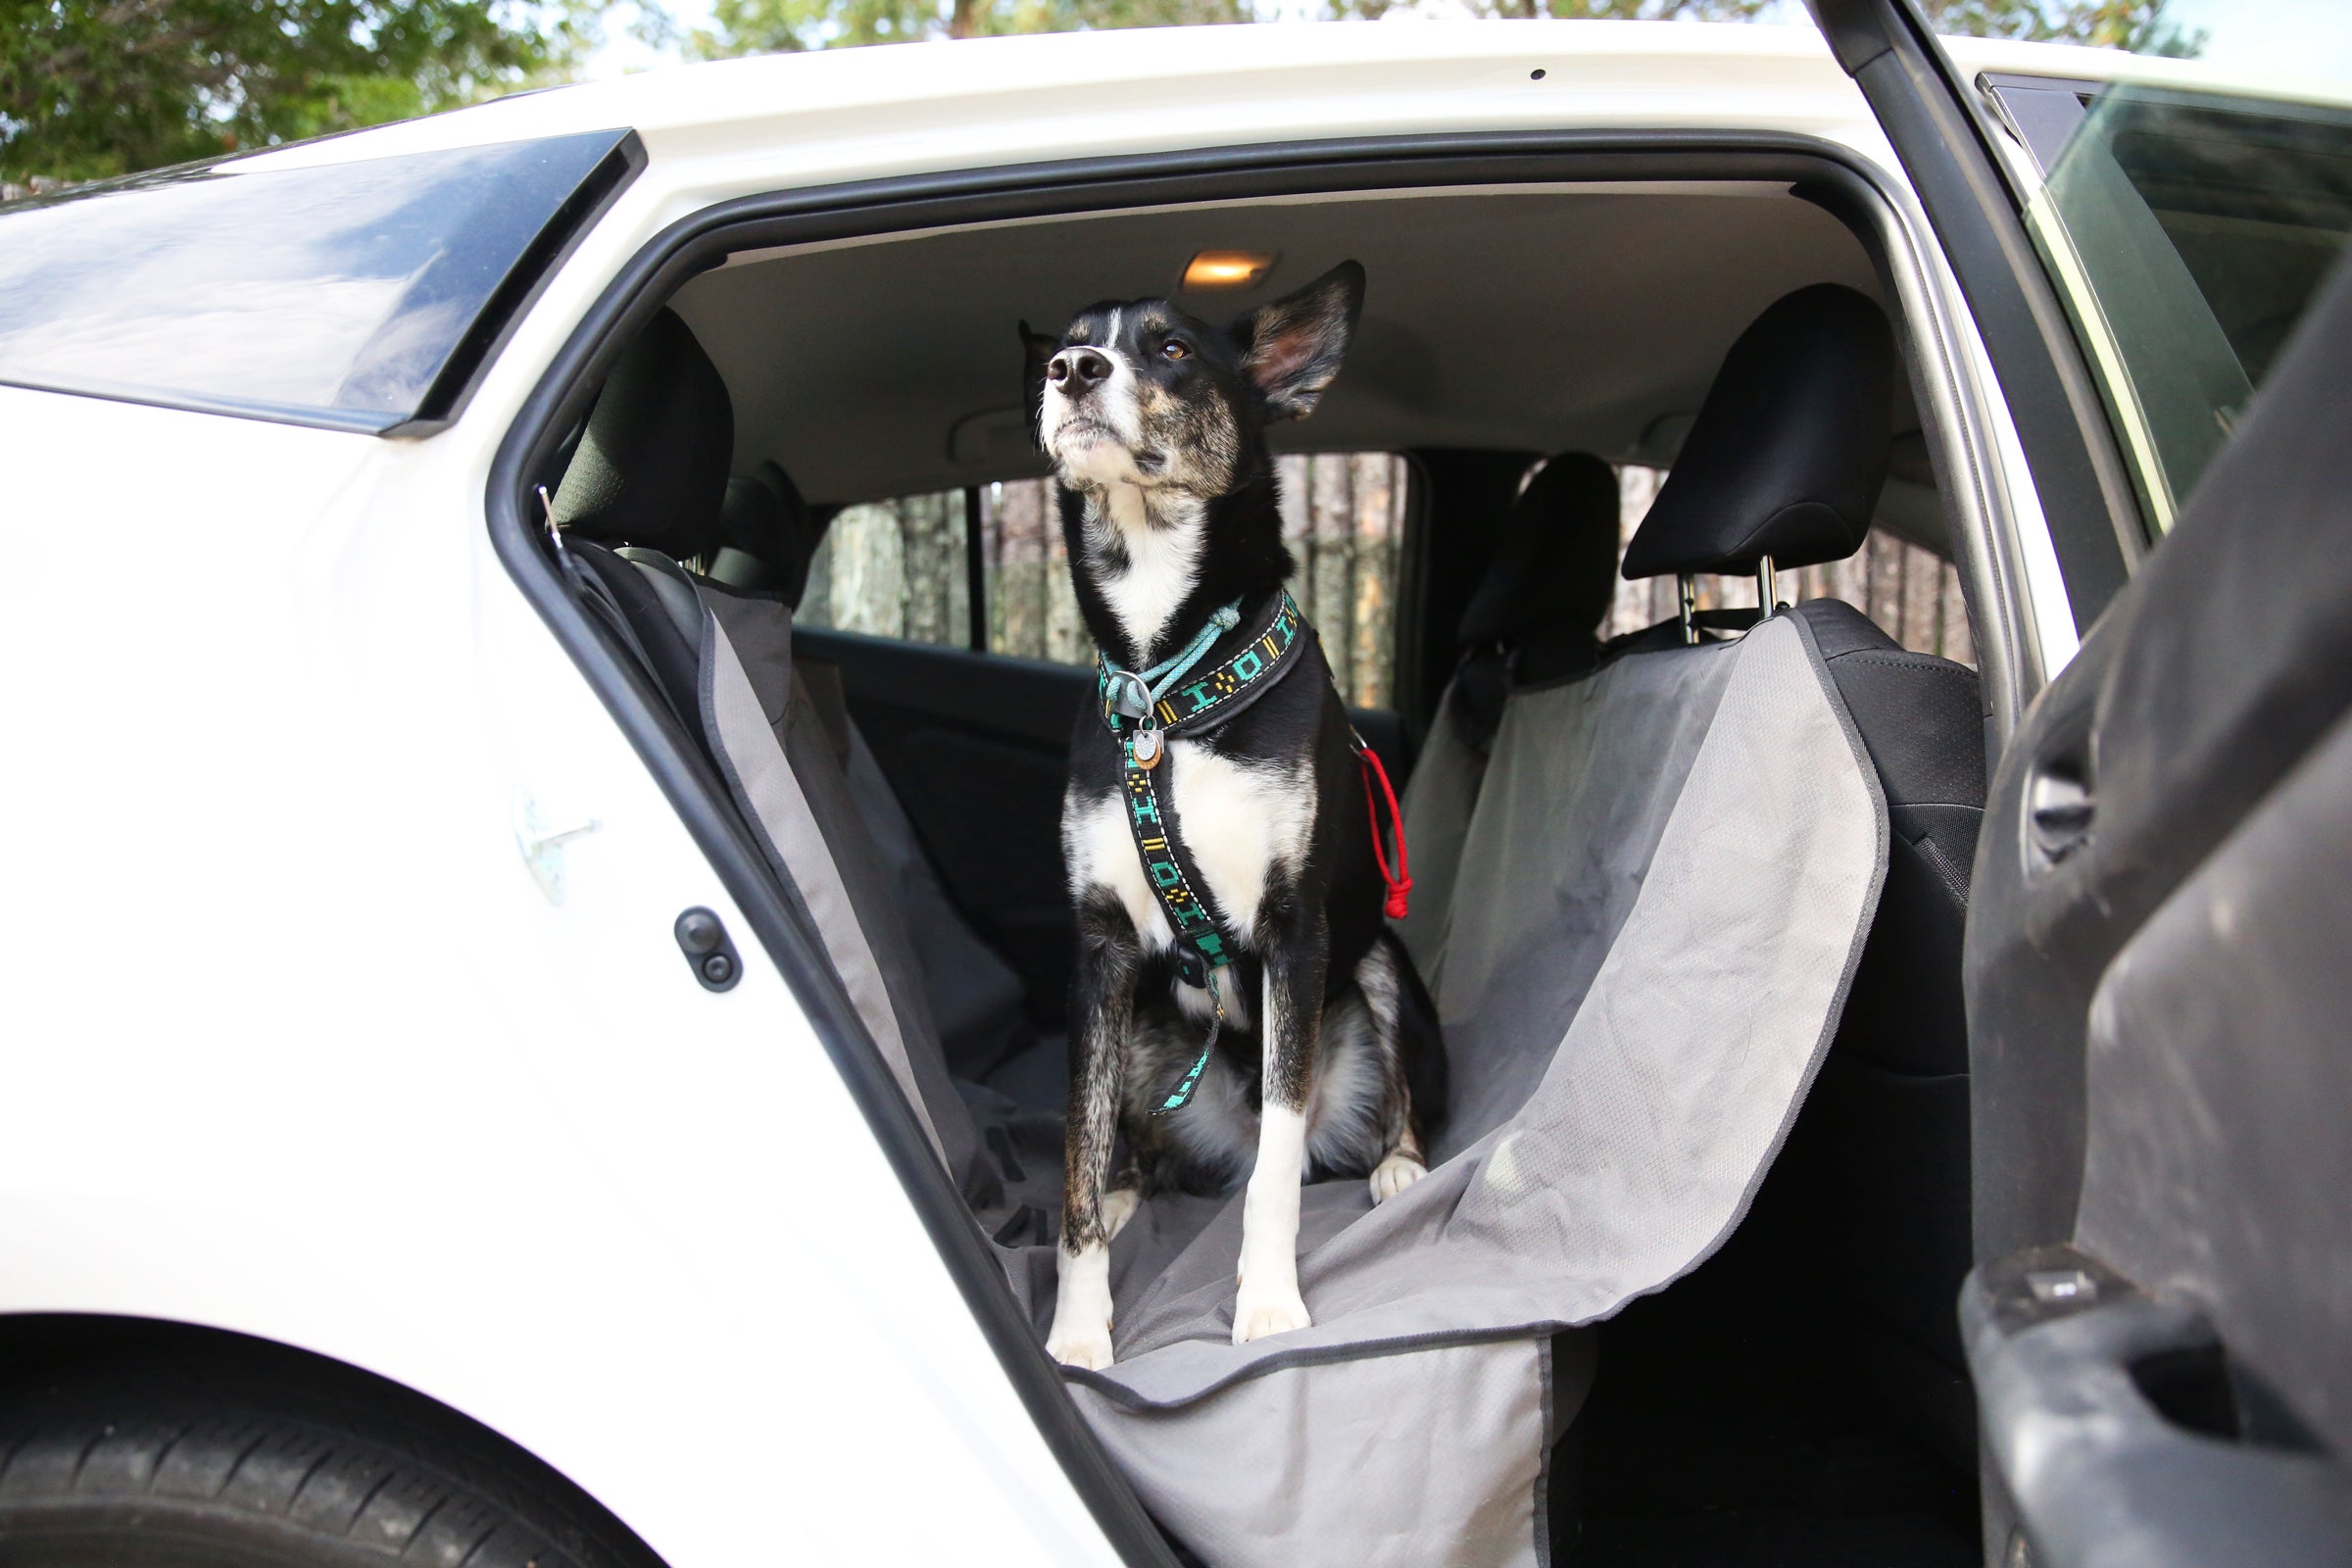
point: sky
(2313, 36)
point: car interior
(1801, 1395)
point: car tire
(114, 1475)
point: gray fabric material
(976, 999)
(1664, 889)
(1437, 818)
(744, 731)
(1428, 1428)
(853, 876)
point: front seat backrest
(1549, 587)
(1532, 618)
(768, 534)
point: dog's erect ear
(1292, 347)
(1038, 348)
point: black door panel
(977, 748)
(2118, 1417)
(2157, 1002)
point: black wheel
(123, 1468)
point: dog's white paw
(1118, 1208)
(1258, 1314)
(1394, 1174)
(1089, 1347)
(1081, 1332)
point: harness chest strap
(1139, 723)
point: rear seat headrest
(1790, 450)
(1556, 566)
(766, 518)
(652, 467)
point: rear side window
(359, 296)
(908, 568)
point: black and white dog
(1326, 1057)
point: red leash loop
(1399, 882)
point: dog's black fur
(1155, 422)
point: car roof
(1238, 76)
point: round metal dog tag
(1146, 748)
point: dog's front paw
(1258, 1314)
(1082, 1310)
(1088, 1346)
(1394, 1174)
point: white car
(450, 1116)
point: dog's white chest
(1159, 544)
(1240, 823)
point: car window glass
(337, 294)
(903, 568)
(2188, 231)
(894, 568)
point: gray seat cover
(1436, 819)
(1666, 882)
(1663, 892)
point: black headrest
(768, 534)
(1557, 564)
(1788, 451)
(652, 468)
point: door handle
(2060, 810)
(2059, 1350)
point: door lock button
(709, 950)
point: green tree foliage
(96, 88)
(760, 26)
(1584, 10)
(2139, 25)
(766, 27)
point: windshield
(2188, 231)
(357, 295)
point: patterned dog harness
(1144, 711)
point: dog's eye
(1175, 348)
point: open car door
(2160, 940)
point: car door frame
(1945, 138)
(1849, 184)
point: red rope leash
(1400, 883)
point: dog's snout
(1078, 372)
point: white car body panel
(297, 1047)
